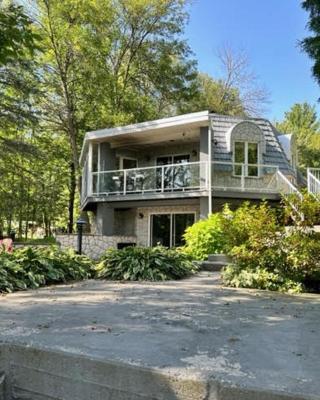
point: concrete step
(212, 265)
(219, 258)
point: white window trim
(171, 219)
(121, 158)
(172, 156)
(246, 142)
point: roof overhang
(160, 130)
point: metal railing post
(309, 180)
(162, 178)
(243, 177)
(124, 182)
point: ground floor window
(168, 229)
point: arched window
(247, 144)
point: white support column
(210, 168)
(90, 169)
(98, 177)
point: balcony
(160, 179)
(186, 180)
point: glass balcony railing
(244, 177)
(164, 178)
(187, 177)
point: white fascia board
(198, 117)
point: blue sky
(269, 32)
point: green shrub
(204, 237)
(47, 240)
(248, 222)
(303, 212)
(144, 263)
(31, 267)
(271, 258)
(259, 278)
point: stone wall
(93, 245)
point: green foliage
(204, 237)
(303, 211)
(248, 222)
(311, 44)
(265, 256)
(302, 121)
(44, 241)
(259, 278)
(17, 37)
(144, 264)
(216, 96)
(31, 267)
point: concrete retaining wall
(93, 245)
(39, 374)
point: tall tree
(107, 62)
(18, 42)
(236, 92)
(302, 121)
(213, 95)
(311, 44)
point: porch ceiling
(167, 130)
(152, 137)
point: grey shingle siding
(274, 153)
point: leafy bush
(144, 263)
(303, 212)
(204, 237)
(266, 256)
(259, 278)
(47, 240)
(249, 221)
(31, 267)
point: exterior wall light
(80, 224)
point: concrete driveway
(195, 339)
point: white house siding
(143, 224)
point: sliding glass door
(168, 229)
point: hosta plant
(31, 267)
(144, 264)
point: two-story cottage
(153, 179)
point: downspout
(210, 166)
